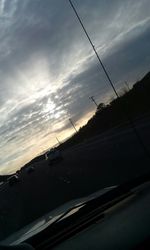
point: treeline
(131, 103)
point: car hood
(46, 220)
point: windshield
(74, 102)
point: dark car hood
(46, 220)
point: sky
(48, 69)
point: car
(13, 179)
(52, 156)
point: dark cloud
(130, 60)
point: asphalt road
(108, 159)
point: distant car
(13, 179)
(52, 156)
(30, 169)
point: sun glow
(49, 107)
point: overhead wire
(128, 117)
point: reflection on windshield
(74, 104)
(53, 216)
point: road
(108, 159)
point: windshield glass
(74, 102)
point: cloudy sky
(48, 69)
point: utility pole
(73, 125)
(127, 85)
(110, 81)
(93, 100)
(58, 141)
(94, 49)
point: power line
(110, 82)
(98, 57)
